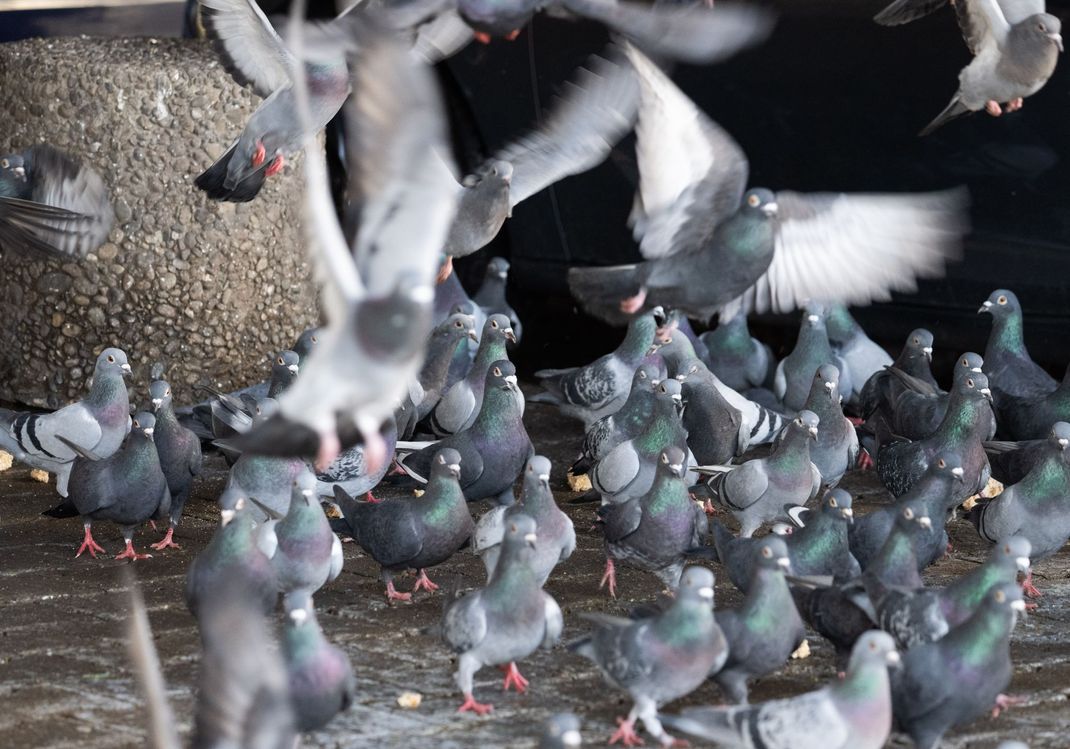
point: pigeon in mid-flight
(709, 244)
(1014, 44)
(51, 204)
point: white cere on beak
(20, 172)
(1018, 605)
(783, 562)
(455, 467)
(157, 402)
(226, 516)
(126, 368)
(149, 431)
(293, 368)
(813, 431)
(812, 318)
(705, 592)
(770, 209)
(1022, 563)
(511, 379)
(531, 538)
(978, 370)
(848, 512)
(958, 472)
(830, 386)
(306, 492)
(925, 521)
(986, 391)
(571, 738)
(893, 658)
(1063, 442)
(676, 467)
(298, 616)
(544, 477)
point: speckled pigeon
(180, 455)
(350, 471)
(504, 621)
(320, 675)
(795, 373)
(1011, 461)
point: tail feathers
(400, 459)
(212, 179)
(953, 110)
(713, 470)
(710, 723)
(722, 537)
(768, 427)
(601, 290)
(905, 11)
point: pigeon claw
(633, 304)
(1028, 588)
(166, 542)
(88, 544)
(483, 38)
(329, 447)
(1004, 702)
(865, 461)
(444, 270)
(259, 154)
(423, 582)
(625, 734)
(275, 166)
(513, 679)
(470, 705)
(369, 497)
(129, 553)
(392, 593)
(993, 108)
(1015, 104)
(609, 577)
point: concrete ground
(65, 680)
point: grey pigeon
(850, 713)
(413, 532)
(918, 410)
(557, 537)
(862, 356)
(738, 360)
(179, 450)
(449, 338)
(766, 629)
(715, 430)
(51, 205)
(305, 343)
(460, 404)
(1029, 418)
(268, 480)
(659, 658)
(319, 673)
(881, 389)
(1011, 461)
(768, 489)
(653, 532)
(506, 620)
(600, 388)
(938, 490)
(97, 423)
(232, 558)
(959, 600)
(306, 553)
(1010, 369)
(128, 487)
(835, 451)
(795, 373)
(350, 471)
(494, 450)
(562, 731)
(963, 430)
(960, 677)
(709, 245)
(1015, 46)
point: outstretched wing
(251, 50)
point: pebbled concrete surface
(65, 680)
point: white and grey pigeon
(1015, 45)
(758, 424)
(709, 244)
(376, 299)
(97, 423)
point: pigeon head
(1060, 434)
(837, 504)
(806, 421)
(1001, 303)
(975, 383)
(520, 533)
(648, 374)
(538, 471)
(264, 409)
(562, 730)
(460, 325)
(669, 394)
(759, 202)
(447, 462)
(390, 327)
(498, 267)
(499, 327)
(286, 365)
(1006, 597)
(1040, 33)
(231, 502)
(912, 516)
(661, 369)
(144, 423)
(782, 529)
(674, 462)
(160, 393)
(502, 375)
(112, 361)
(948, 464)
(827, 381)
(1016, 550)
(306, 342)
(874, 646)
(920, 343)
(696, 586)
(773, 554)
(968, 364)
(813, 316)
(496, 175)
(304, 488)
(13, 170)
(689, 366)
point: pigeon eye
(969, 382)
(280, 361)
(168, 391)
(753, 201)
(512, 528)
(136, 425)
(497, 372)
(315, 340)
(916, 341)
(1000, 596)
(1007, 549)
(494, 323)
(908, 513)
(941, 463)
(441, 460)
(693, 370)
(664, 458)
(767, 552)
(872, 646)
(642, 375)
(1002, 299)
(458, 324)
(1040, 27)
(4, 163)
(833, 502)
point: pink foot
(512, 35)
(865, 462)
(1015, 104)
(609, 577)
(633, 304)
(328, 450)
(708, 507)
(423, 582)
(275, 167)
(855, 421)
(129, 553)
(393, 595)
(88, 544)
(374, 450)
(470, 705)
(259, 154)
(447, 267)
(513, 678)
(1028, 588)
(993, 108)
(369, 497)
(166, 542)
(482, 38)
(626, 734)
(1005, 702)
(152, 524)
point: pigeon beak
(20, 172)
(812, 319)
(925, 522)
(986, 392)
(677, 469)
(892, 658)
(510, 335)
(1058, 39)
(125, 369)
(530, 539)
(149, 431)
(705, 592)
(293, 368)
(848, 515)
(987, 306)
(678, 378)
(473, 336)
(770, 209)
(784, 563)
(928, 352)
(1018, 605)
(1022, 563)
(306, 492)
(571, 738)
(510, 383)
(1063, 442)
(977, 370)
(455, 470)
(504, 274)
(958, 472)
(813, 432)
(544, 478)
(225, 516)
(830, 386)
(654, 383)
(156, 403)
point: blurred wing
(691, 33)
(555, 621)
(252, 51)
(62, 182)
(465, 623)
(29, 226)
(982, 22)
(442, 37)
(856, 249)
(1016, 11)
(596, 110)
(148, 672)
(692, 173)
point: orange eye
(753, 201)
(1002, 299)
(767, 552)
(833, 502)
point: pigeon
(52, 205)
(562, 731)
(232, 558)
(1030, 418)
(675, 320)
(306, 553)
(449, 338)
(1011, 461)
(835, 450)
(715, 431)
(959, 600)
(627, 471)
(963, 430)
(881, 388)
(180, 456)
(557, 537)
(918, 410)
(862, 357)
(459, 405)
(305, 343)
(739, 361)
(98, 423)
(413, 532)
(128, 487)
(320, 675)
(771, 488)
(504, 621)
(628, 421)
(960, 677)
(854, 712)
(766, 629)
(494, 450)
(658, 658)
(795, 374)
(350, 471)
(653, 532)
(267, 479)
(754, 250)
(1007, 362)
(376, 298)
(938, 490)
(1014, 45)
(673, 346)
(588, 393)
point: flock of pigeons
(413, 374)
